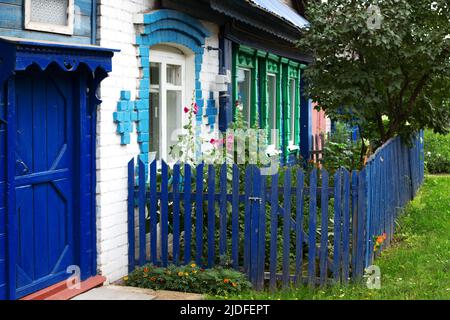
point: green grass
(417, 266)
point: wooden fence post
(131, 245)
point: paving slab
(116, 293)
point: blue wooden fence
(393, 176)
(290, 228)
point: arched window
(171, 75)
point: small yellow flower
(169, 272)
(125, 278)
(186, 274)
(180, 274)
(194, 271)
(193, 265)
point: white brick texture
(117, 30)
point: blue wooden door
(44, 180)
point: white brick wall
(116, 30)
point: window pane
(293, 110)
(174, 75)
(50, 11)
(155, 74)
(244, 92)
(155, 124)
(174, 112)
(272, 105)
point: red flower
(213, 141)
(186, 109)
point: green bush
(340, 151)
(189, 278)
(437, 153)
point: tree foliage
(383, 65)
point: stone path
(114, 292)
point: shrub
(189, 278)
(340, 151)
(437, 153)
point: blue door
(44, 179)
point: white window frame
(48, 27)
(165, 58)
(274, 135)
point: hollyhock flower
(186, 109)
(213, 141)
(196, 108)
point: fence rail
(288, 228)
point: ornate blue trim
(125, 116)
(19, 54)
(167, 26)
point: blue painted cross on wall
(125, 116)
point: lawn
(417, 266)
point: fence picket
(255, 213)
(312, 229)
(199, 214)
(337, 227)
(273, 231)
(235, 218)
(324, 230)
(164, 213)
(187, 214)
(176, 214)
(354, 194)
(247, 218)
(360, 243)
(262, 236)
(211, 215)
(131, 224)
(287, 226)
(142, 235)
(223, 211)
(346, 228)
(299, 228)
(153, 215)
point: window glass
(174, 105)
(50, 11)
(293, 108)
(244, 92)
(155, 115)
(155, 74)
(272, 108)
(174, 75)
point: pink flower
(213, 141)
(186, 109)
(196, 108)
(230, 142)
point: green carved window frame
(261, 64)
(292, 106)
